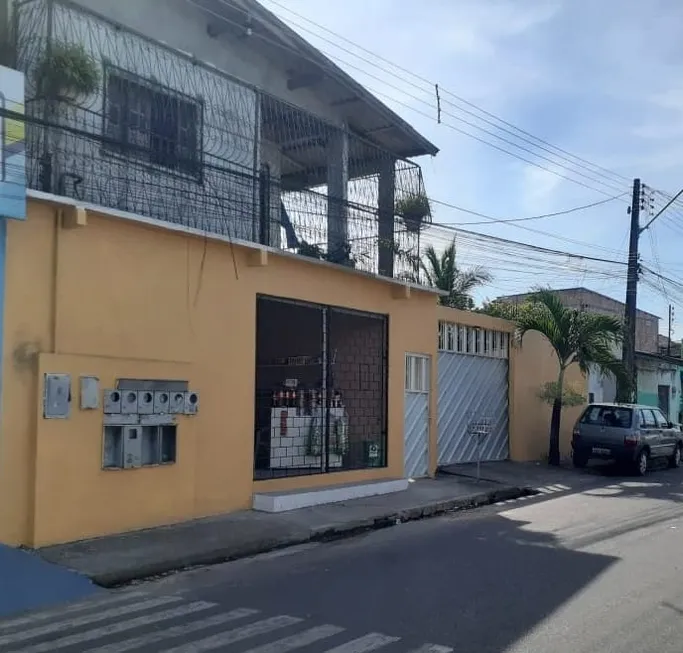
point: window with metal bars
(147, 121)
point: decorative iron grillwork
(321, 389)
(169, 137)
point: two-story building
(203, 303)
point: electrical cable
(432, 85)
(431, 117)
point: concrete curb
(331, 532)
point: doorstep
(115, 560)
(296, 499)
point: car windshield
(614, 416)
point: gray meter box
(57, 396)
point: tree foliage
(441, 271)
(550, 391)
(577, 338)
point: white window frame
(417, 373)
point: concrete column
(385, 228)
(6, 51)
(337, 195)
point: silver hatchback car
(628, 433)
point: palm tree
(442, 272)
(577, 337)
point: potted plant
(415, 209)
(66, 73)
(65, 76)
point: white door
(416, 416)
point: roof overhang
(308, 67)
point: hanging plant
(66, 73)
(415, 209)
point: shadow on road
(443, 580)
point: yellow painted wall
(531, 365)
(119, 299)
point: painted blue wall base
(29, 583)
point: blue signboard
(12, 145)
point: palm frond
(442, 272)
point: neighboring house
(603, 387)
(659, 383)
(667, 348)
(647, 324)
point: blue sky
(603, 80)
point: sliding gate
(472, 394)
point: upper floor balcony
(117, 119)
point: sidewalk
(115, 560)
(531, 475)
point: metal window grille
(473, 340)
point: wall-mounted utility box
(90, 392)
(132, 447)
(57, 396)
(145, 402)
(191, 403)
(112, 402)
(129, 402)
(177, 402)
(162, 401)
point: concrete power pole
(628, 394)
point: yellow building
(111, 298)
(108, 298)
(203, 305)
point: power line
(362, 208)
(432, 85)
(526, 246)
(491, 220)
(431, 117)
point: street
(580, 571)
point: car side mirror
(669, 425)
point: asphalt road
(592, 571)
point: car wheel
(675, 460)
(640, 466)
(580, 460)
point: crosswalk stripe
(433, 648)
(22, 636)
(148, 639)
(235, 635)
(74, 607)
(297, 641)
(370, 642)
(119, 627)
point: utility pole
(629, 348)
(671, 322)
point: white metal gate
(416, 419)
(473, 390)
